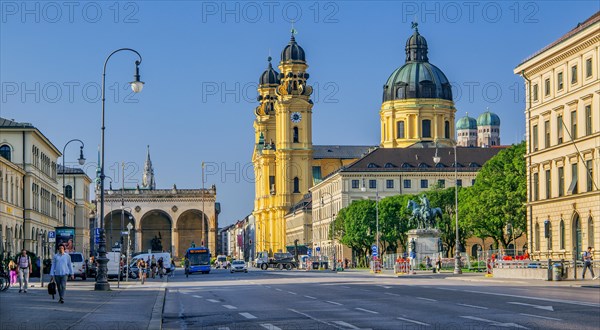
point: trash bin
(557, 272)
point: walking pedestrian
(61, 268)
(141, 264)
(13, 270)
(24, 265)
(161, 265)
(587, 262)
(153, 266)
(172, 268)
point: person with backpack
(587, 263)
(24, 268)
(61, 268)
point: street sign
(309, 252)
(124, 233)
(318, 249)
(97, 235)
(374, 250)
(51, 236)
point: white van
(113, 264)
(146, 256)
(78, 262)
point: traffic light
(547, 228)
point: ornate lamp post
(436, 160)
(136, 85)
(81, 161)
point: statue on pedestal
(422, 215)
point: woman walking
(141, 264)
(12, 269)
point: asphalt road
(325, 300)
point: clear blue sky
(202, 61)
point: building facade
(562, 111)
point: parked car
(238, 266)
(78, 262)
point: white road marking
(196, 296)
(229, 307)
(333, 302)
(314, 318)
(366, 310)
(413, 321)
(278, 289)
(347, 325)
(392, 294)
(267, 286)
(269, 326)
(248, 315)
(213, 300)
(345, 287)
(472, 306)
(310, 297)
(541, 317)
(548, 308)
(290, 292)
(495, 323)
(223, 328)
(427, 299)
(570, 302)
(385, 286)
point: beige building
(31, 202)
(563, 144)
(298, 223)
(388, 172)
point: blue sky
(202, 61)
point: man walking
(61, 268)
(587, 262)
(24, 264)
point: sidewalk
(132, 306)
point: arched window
(5, 152)
(447, 129)
(296, 185)
(591, 232)
(296, 134)
(69, 192)
(561, 231)
(537, 237)
(426, 128)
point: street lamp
(332, 221)
(136, 85)
(81, 161)
(436, 160)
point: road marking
(290, 292)
(269, 326)
(548, 308)
(495, 323)
(472, 306)
(333, 302)
(392, 294)
(427, 299)
(196, 296)
(347, 325)
(570, 302)
(345, 287)
(223, 328)
(248, 315)
(267, 286)
(213, 300)
(278, 289)
(541, 317)
(310, 297)
(314, 318)
(413, 321)
(385, 286)
(366, 310)
(229, 307)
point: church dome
(417, 78)
(466, 122)
(488, 119)
(293, 52)
(270, 76)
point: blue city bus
(199, 258)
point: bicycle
(4, 280)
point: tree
(498, 197)
(355, 227)
(393, 222)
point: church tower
(148, 176)
(417, 101)
(283, 151)
(466, 132)
(488, 129)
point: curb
(157, 311)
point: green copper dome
(488, 119)
(466, 122)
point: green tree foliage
(497, 200)
(445, 200)
(393, 222)
(355, 227)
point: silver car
(238, 266)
